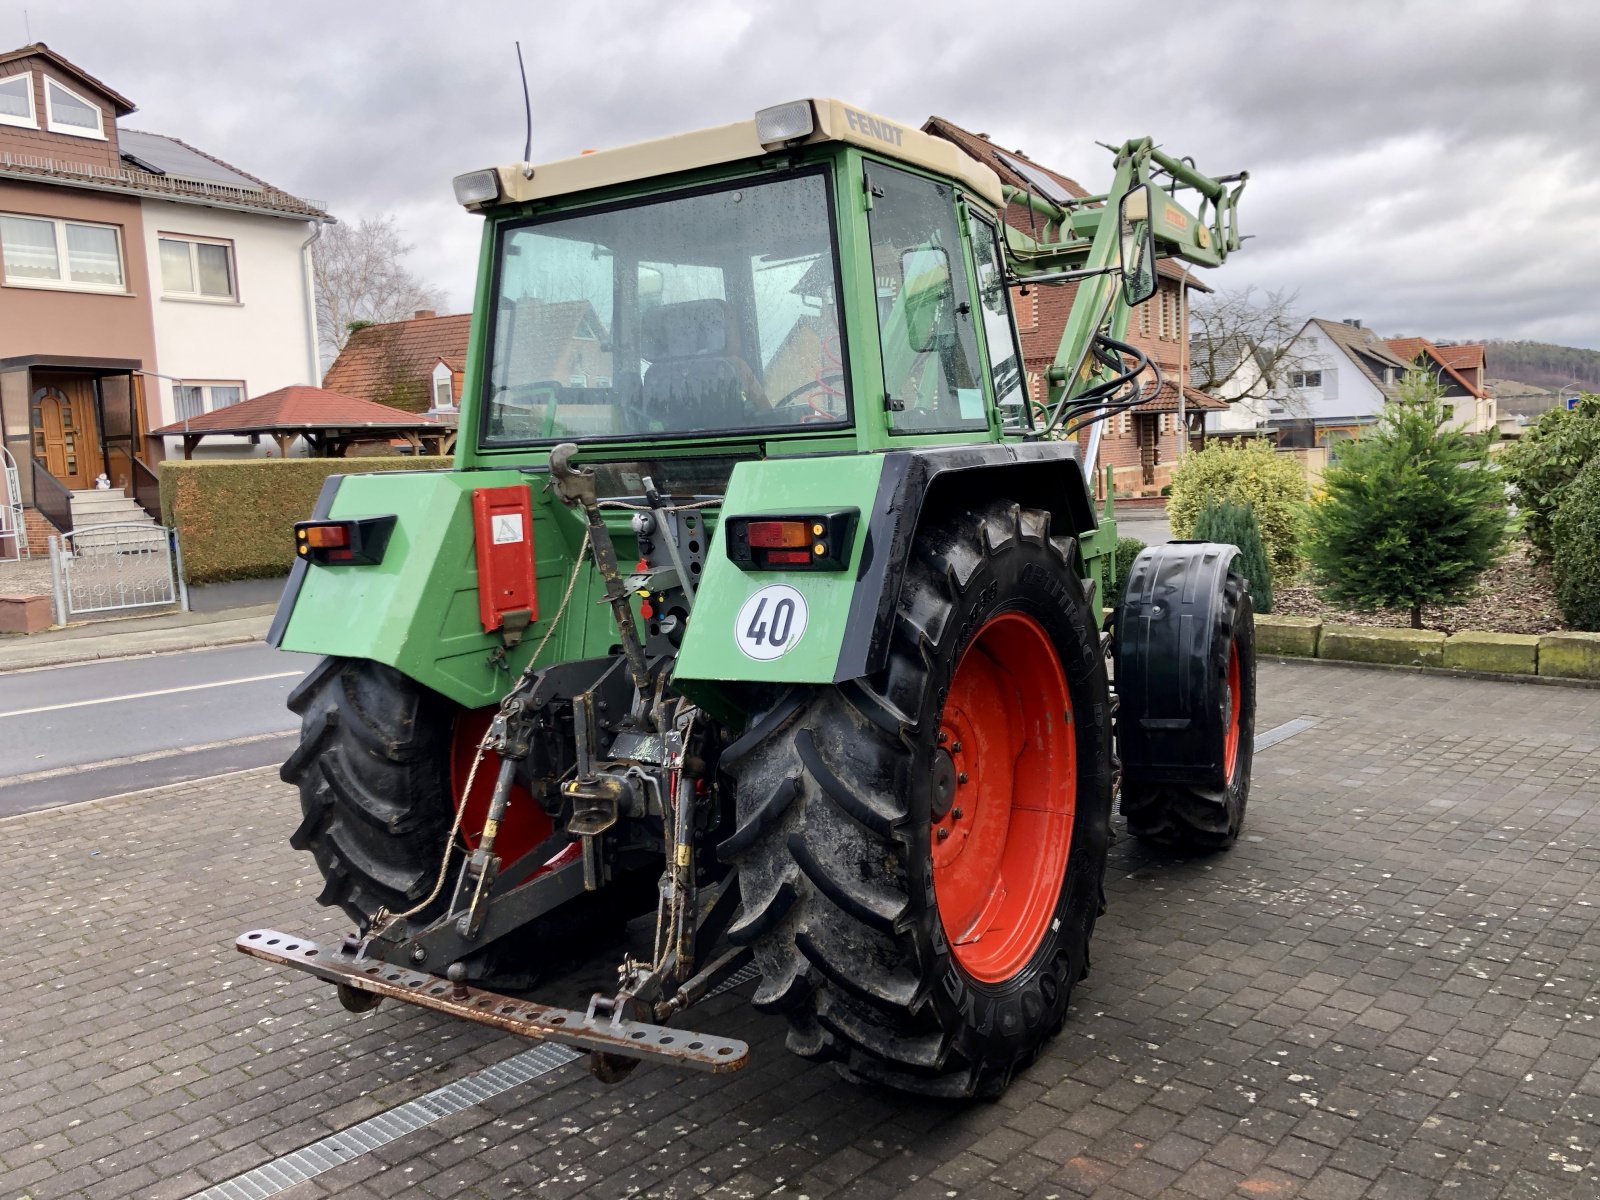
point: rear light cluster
(355, 541)
(820, 542)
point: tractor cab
(712, 287)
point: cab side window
(931, 369)
(999, 331)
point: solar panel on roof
(177, 161)
(1042, 183)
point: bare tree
(1242, 344)
(362, 278)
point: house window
(441, 392)
(1305, 379)
(16, 101)
(191, 267)
(189, 400)
(1125, 423)
(67, 112)
(51, 253)
(1449, 412)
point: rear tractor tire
(922, 852)
(1188, 793)
(374, 769)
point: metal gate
(106, 568)
(13, 534)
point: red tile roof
(1465, 357)
(295, 408)
(379, 357)
(1413, 348)
(1194, 400)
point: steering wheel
(793, 400)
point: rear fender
(850, 613)
(417, 609)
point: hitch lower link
(599, 1031)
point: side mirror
(929, 299)
(1138, 246)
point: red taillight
(817, 542)
(359, 541)
(772, 535)
(328, 537)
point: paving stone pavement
(1387, 990)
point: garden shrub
(1545, 460)
(1575, 534)
(235, 517)
(1235, 525)
(1122, 562)
(1249, 472)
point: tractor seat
(697, 378)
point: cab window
(931, 371)
(999, 330)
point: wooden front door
(65, 438)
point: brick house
(1140, 445)
(416, 364)
(142, 281)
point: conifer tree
(1235, 525)
(1413, 513)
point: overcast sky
(1428, 167)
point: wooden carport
(329, 422)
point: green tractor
(761, 596)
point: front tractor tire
(921, 853)
(1186, 661)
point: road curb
(117, 648)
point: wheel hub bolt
(943, 833)
(956, 749)
(956, 814)
(961, 778)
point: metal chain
(382, 919)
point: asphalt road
(92, 730)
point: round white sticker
(771, 622)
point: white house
(1252, 397)
(233, 304)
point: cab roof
(833, 121)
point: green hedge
(234, 516)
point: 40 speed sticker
(771, 622)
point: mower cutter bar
(631, 1039)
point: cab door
(1002, 347)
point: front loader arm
(1081, 242)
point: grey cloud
(1427, 166)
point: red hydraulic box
(502, 519)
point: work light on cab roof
(809, 671)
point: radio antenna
(527, 110)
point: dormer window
(68, 112)
(16, 101)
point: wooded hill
(1544, 364)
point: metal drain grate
(1287, 730)
(337, 1149)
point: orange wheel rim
(1000, 848)
(526, 824)
(1230, 745)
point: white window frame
(193, 240)
(99, 133)
(207, 399)
(66, 283)
(1302, 379)
(31, 121)
(443, 375)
